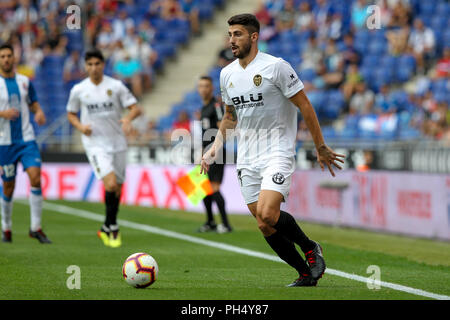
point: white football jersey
(267, 119)
(101, 107)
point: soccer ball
(140, 270)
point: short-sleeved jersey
(211, 113)
(267, 119)
(16, 92)
(101, 107)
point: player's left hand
(326, 156)
(126, 125)
(39, 117)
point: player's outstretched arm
(325, 155)
(39, 116)
(229, 122)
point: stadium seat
(427, 7)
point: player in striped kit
(17, 143)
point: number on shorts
(9, 170)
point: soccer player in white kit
(101, 100)
(261, 94)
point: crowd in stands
(386, 82)
(389, 81)
(136, 37)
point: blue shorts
(25, 152)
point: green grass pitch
(30, 270)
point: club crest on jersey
(257, 80)
(109, 92)
(278, 178)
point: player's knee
(268, 216)
(111, 185)
(35, 181)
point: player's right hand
(207, 159)
(11, 114)
(86, 130)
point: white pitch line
(227, 247)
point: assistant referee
(211, 115)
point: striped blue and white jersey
(16, 92)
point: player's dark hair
(248, 20)
(7, 46)
(94, 53)
(206, 78)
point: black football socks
(220, 201)
(209, 214)
(288, 227)
(286, 250)
(112, 208)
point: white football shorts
(275, 175)
(104, 163)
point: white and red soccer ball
(140, 270)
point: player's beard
(6, 68)
(244, 50)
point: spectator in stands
(121, 24)
(382, 103)
(352, 78)
(73, 67)
(285, 19)
(334, 64)
(443, 65)
(25, 12)
(150, 133)
(130, 37)
(108, 7)
(146, 31)
(335, 27)
(171, 9)
(128, 69)
(304, 20)
(5, 27)
(105, 38)
(267, 28)
(349, 53)
(362, 101)
(33, 57)
(359, 14)
(398, 40)
(190, 8)
(401, 15)
(143, 52)
(385, 12)
(312, 54)
(422, 43)
(183, 121)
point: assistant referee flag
(196, 186)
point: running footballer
(261, 95)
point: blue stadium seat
(307, 75)
(427, 7)
(317, 99)
(371, 61)
(206, 12)
(329, 132)
(377, 47)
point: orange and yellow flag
(195, 185)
